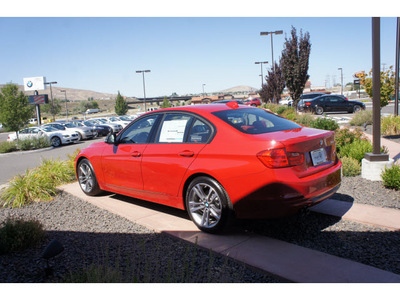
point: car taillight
(279, 158)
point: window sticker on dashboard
(173, 131)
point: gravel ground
(94, 236)
(91, 235)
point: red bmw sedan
(217, 161)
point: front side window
(138, 132)
(255, 120)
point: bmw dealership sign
(34, 83)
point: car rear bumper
(278, 198)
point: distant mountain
(239, 89)
(72, 94)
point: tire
(319, 110)
(79, 136)
(87, 178)
(55, 141)
(208, 205)
(254, 105)
(356, 108)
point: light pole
(203, 90)
(65, 97)
(341, 76)
(51, 96)
(272, 45)
(262, 76)
(144, 87)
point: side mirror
(111, 138)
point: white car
(118, 120)
(84, 133)
(56, 137)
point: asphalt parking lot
(18, 162)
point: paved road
(18, 162)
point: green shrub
(362, 117)
(38, 184)
(391, 177)
(41, 142)
(289, 113)
(17, 234)
(6, 147)
(325, 123)
(33, 143)
(271, 106)
(350, 166)
(390, 125)
(305, 119)
(24, 144)
(356, 149)
(345, 136)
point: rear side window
(255, 120)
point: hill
(239, 89)
(72, 94)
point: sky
(102, 50)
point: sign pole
(39, 119)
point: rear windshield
(255, 120)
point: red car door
(122, 162)
(181, 137)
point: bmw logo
(29, 84)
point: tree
(387, 85)
(272, 90)
(121, 107)
(166, 103)
(15, 110)
(51, 108)
(294, 63)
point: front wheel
(207, 204)
(55, 141)
(87, 178)
(356, 108)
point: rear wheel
(87, 178)
(319, 110)
(207, 204)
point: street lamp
(262, 76)
(51, 96)
(65, 97)
(203, 90)
(144, 87)
(272, 45)
(341, 76)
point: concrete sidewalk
(393, 147)
(284, 260)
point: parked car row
(66, 132)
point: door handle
(187, 153)
(136, 154)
